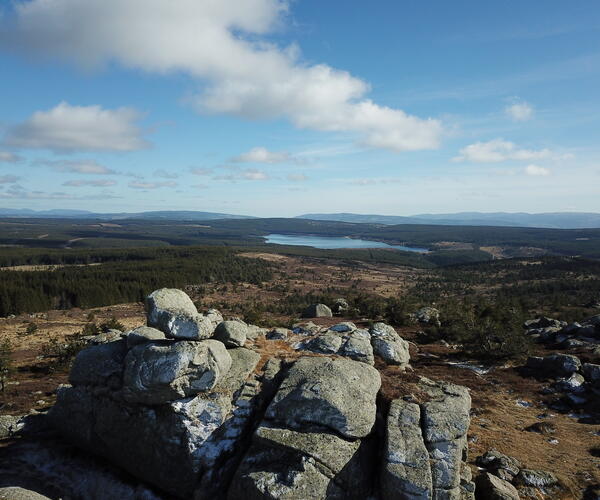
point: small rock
(142, 335)
(231, 333)
(490, 487)
(317, 311)
(536, 478)
(278, 334)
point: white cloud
(8, 179)
(79, 167)
(536, 171)
(262, 155)
(151, 185)
(249, 174)
(7, 157)
(94, 183)
(519, 111)
(297, 177)
(223, 45)
(498, 150)
(67, 128)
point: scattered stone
(499, 464)
(253, 332)
(278, 334)
(305, 328)
(536, 478)
(428, 316)
(317, 311)
(340, 306)
(542, 428)
(555, 364)
(231, 333)
(490, 487)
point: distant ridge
(84, 214)
(557, 220)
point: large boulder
(285, 464)
(231, 333)
(405, 471)
(445, 420)
(337, 394)
(143, 334)
(100, 365)
(188, 447)
(173, 312)
(556, 365)
(388, 345)
(159, 372)
(357, 346)
(317, 311)
(328, 343)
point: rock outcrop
(317, 311)
(199, 417)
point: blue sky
(275, 108)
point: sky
(279, 108)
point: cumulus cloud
(297, 177)
(151, 185)
(519, 111)
(262, 155)
(94, 183)
(8, 179)
(222, 44)
(537, 171)
(78, 167)
(67, 128)
(499, 150)
(7, 157)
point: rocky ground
(526, 412)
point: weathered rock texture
(425, 446)
(201, 418)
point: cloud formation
(8, 157)
(519, 111)
(262, 155)
(222, 44)
(94, 183)
(165, 174)
(66, 129)
(8, 179)
(249, 174)
(78, 167)
(498, 150)
(297, 177)
(537, 171)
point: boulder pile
(565, 335)
(188, 405)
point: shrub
(112, 324)
(31, 328)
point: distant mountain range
(557, 220)
(84, 214)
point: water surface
(333, 242)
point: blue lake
(332, 242)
